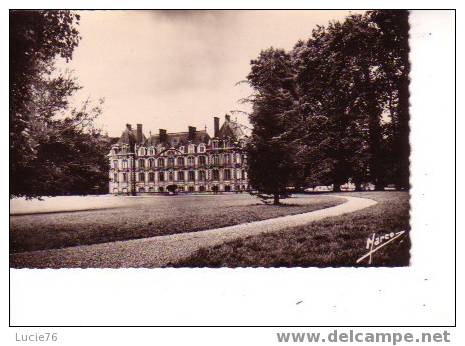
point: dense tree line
(334, 109)
(54, 149)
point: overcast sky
(168, 69)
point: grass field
(334, 242)
(122, 218)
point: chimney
(139, 133)
(162, 135)
(216, 122)
(192, 130)
(227, 117)
(128, 127)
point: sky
(173, 69)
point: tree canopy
(54, 149)
(335, 108)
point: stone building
(189, 161)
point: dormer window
(141, 151)
(202, 148)
(151, 151)
(181, 149)
(191, 148)
(215, 144)
(161, 162)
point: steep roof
(233, 129)
(178, 138)
(129, 137)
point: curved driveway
(163, 250)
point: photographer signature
(374, 243)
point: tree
(53, 149)
(349, 79)
(393, 46)
(270, 153)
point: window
(170, 162)
(190, 161)
(181, 176)
(161, 176)
(202, 148)
(202, 175)
(141, 163)
(151, 177)
(202, 160)
(191, 189)
(115, 177)
(215, 174)
(161, 162)
(191, 148)
(243, 174)
(216, 160)
(202, 188)
(181, 149)
(151, 151)
(125, 164)
(180, 161)
(191, 176)
(115, 164)
(141, 177)
(227, 188)
(227, 158)
(125, 178)
(151, 163)
(215, 144)
(141, 151)
(141, 189)
(170, 176)
(227, 174)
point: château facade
(189, 161)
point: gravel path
(160, 251)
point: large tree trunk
(276, 199)
(374, 136)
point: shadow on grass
(333, 242)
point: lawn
(54, 225)
(333, 242)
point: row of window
(180, 176)
(180, 161)
(201, 188)
(191, 148)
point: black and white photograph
(230, 168)
(189, 139)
